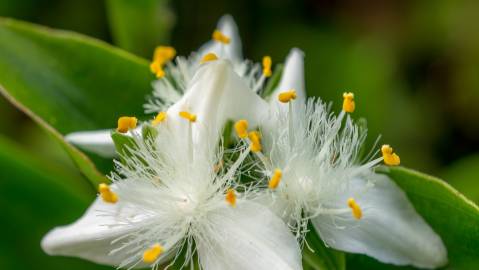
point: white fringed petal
(292, 77)
(91, 236)
(98, 141)
(248, 236)
(390, 229)
(231, 51)
(217, 94)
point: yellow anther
(157, 69)
(390, 158)
(267, 66)
(164, 54)
(231, 197)
(287, 96)
(126, 123)
(255, 138)
(208, 58)
(151, 255)
(159, 118)
(220, 37)
(348, 102)
(188, 116)
(275, 179)
(241, 128)
(106, 194)
(357, 213)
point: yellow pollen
(267, 66)
(164, 54)
(287, 96)
(357, 213)
(151, 255)
(126, 123)
(106, 194)
(348, 102)
(274, 182)
(159, 118)
(220, 37)
(188, 116)
(390, 158)
(231, 197)
(157, 69)
(255, 138)
(209, 57)
(241, 128)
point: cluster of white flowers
(177, 193)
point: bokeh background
(413, 65)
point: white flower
(176, 80)
(170, 196)
(314, 172)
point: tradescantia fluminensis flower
(174, 78)
(168, 195)
(309, 157)
(311, 160)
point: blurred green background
(413, 65)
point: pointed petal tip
(97, 141)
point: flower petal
(98, 141)
(390, 230)
(217, 94)
(248, 236)
(292, 77)
(92, 236)
(231, 51)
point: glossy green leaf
(450, 214)
(316, 256)
(35, 196)
(463, 175)
(67, 82)
(139, 26)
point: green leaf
(450, 214)
(462, 174)
(35, 196)
(321, 257)
(139, 26)
(68, 82)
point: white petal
(98, 141)
(91, 236)
(217, 94)
(231, 51)
(390, 229)
(248, 236)
(292, 77)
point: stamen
(255, 138)
(274, 182)
(241, 128)
(231, 197)
(106, 194)
(267, 66)
(164, 54)
(356, 210)
(188, 116)
(348, 102)
(390, 158)
(220, 37)
(159, 118)
(151, 255)
(126, 123)
(287, 96)
(157, 69)
(208, 58)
